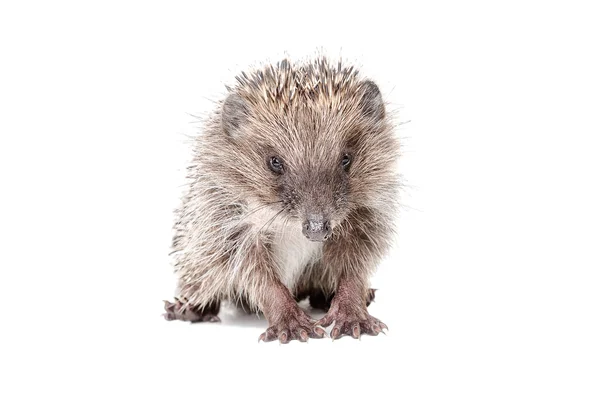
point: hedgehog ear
(371, 102)
(234, 114)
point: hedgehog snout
(316, 228)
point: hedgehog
(293, 194)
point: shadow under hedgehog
(293, 194)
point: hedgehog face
(317, 155)
(313, 188)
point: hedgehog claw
(297, 326)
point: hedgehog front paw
(351, 321)
(293, 326)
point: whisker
(260, 207)
(268, 223)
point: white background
(492, 291)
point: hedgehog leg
(349, 312)
(184, 311)
(286, 320)
(319, 300)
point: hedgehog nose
(316, 229)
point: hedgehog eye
(276, 165)
(346, 160)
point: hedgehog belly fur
(292, 251)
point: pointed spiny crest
(293, 83)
